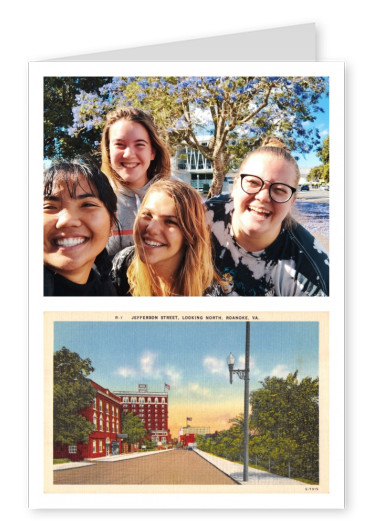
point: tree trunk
(220, 167)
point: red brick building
(187, 435)
(152, 408)
(105, 414)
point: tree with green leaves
(321, 173)
(133, 427)
(235, 112)
(225, 443)
(285, 424)
(59, 98)
(73, 392)
(284, 429)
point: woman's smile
(76, 230)
(259, 211)
(159, 238)
(131, 152)
(257, 219)
(152, 243)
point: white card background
(332, 304)
(41, 30)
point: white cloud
(280, 371)
(196, 388)
(215, 365)
(172, 376)
(125, 372)
(147, 364)
(252, 363)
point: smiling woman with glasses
(259, 248)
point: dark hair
(69, 172)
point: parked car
(304, 188)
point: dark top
(122, 261)
(59, 286)
(295, 264)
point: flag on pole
(189, 418)
(166, 386)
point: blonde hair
(275, 147)
(159, 168)
(196, 272)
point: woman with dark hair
(134, 157)
(259, 248)
(172, 255)
(79, 214)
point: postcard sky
(191, 358)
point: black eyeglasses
(278, 192)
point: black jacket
(59, 286)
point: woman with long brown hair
(134, 156)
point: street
(176, 467)
(317, 195)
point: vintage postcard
(163, 396)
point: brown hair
(159, 167)
(196, 272)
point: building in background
(105, 439)
(187, 435)
(152, 408)
(189, 165)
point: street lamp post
(243, 375)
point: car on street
(304, 188)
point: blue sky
(310, 160)
(191, 358)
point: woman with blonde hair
(172, 253)
(259, 247)
(134, 156)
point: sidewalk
(255, 477)
(109, 458)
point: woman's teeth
(260, 211)
(153, 244)
(69, 242)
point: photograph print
(152, 402)
(186, 186)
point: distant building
(152, 408)
(188, 434)
(105, 414)
(189, 165)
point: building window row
(114, 410)
(113, 424)
(141, 400)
